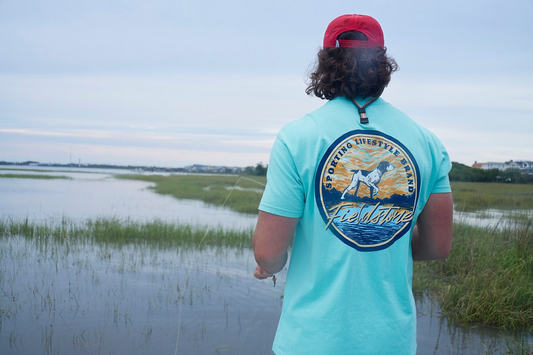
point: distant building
(495, 165)
(196, 168)
(523, 165)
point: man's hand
(261, 274)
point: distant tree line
(23, 163)
(259, 170)
(461, 172)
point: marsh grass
(117, 286)
(517, 347)
(488, 277)
(123, 232)
(212, 189)
(31, 176)
(474, 196)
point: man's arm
(432, 235)
(272, 237)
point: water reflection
(88, 298)
(96, 298)
(439, 336)
(96, 194)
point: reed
(488, 277)
(212, 189)
(123, 232)
(475, 196)
(522, 346)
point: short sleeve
(442, 181)
(284, 193)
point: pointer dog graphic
(369, 177)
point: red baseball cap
(362, 23)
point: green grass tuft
(487, 279)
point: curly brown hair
(351, 72)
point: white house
(523, 165)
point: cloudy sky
(174, 83)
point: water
(438, 335)
(492, 218)
(95, 193)
(84, 298)
(100, 299)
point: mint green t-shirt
(357, 190)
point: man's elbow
(442, 254)
(441, 250)
(445, 246)
(431, 251)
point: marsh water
(93, 194)
(86, 298)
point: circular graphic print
(367, 187)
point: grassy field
(214, 189)
(475, 196)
